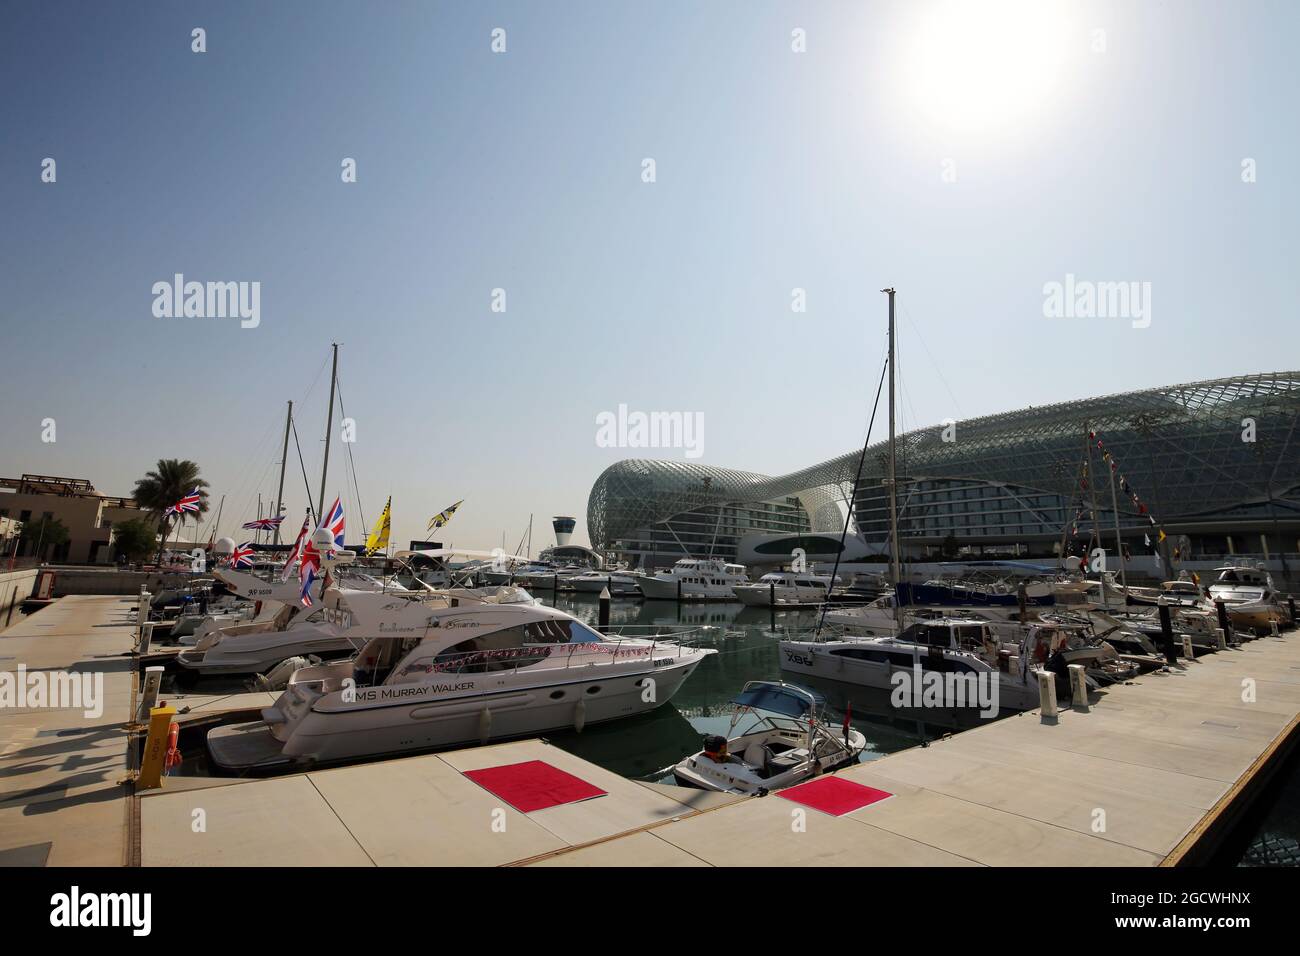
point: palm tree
(167, 484)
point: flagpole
(1096, 521)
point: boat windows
(862, 654)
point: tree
(44, 533)
(136, 539)
(163, 487)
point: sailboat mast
(329, 428)
(1096, 512)
(284, 460)
(1114, 510)
(896, 547)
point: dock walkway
(1123, 783)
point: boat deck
(1137, 779)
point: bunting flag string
(1127, 488)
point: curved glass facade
(1208, 460)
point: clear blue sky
(820, 170)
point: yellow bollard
(155, 748)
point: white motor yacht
(472, 671)
(1248, 596)
(620, 583)
(695, 579)
(785, 589)
(785, 742)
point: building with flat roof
(88, 515)
(1214, 464)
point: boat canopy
(788, 699)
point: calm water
(646, 747)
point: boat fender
(173, 758)
(579, 715)
(484, 724)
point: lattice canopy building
(1215, 463)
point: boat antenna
(853, 497)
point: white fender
(484, 724)
(579, 715)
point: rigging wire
(862, 457)
(338, 387)
(305, 483)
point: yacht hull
(373, 731)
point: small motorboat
(785, 743)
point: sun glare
(978, 66)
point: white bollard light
(1221, 638)
(146, 638)
(1079, 686)
(1047, 694)
(1187, 647)
(149, 695)
(1272, 627)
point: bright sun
(980, 66)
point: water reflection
(746, 640)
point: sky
(968, 155)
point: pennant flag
(442, 517)
(242, 557)
(1161, 536)
(262, 524)
(378, 539)
(334, 522)
(296, 552)
(189, 503)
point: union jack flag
(296, 552)
(263, 524)
(242, 556)
(308, 578)
(189, 503)
(333, 520)
(310, 558)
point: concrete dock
(1139, 779)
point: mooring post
(1224, 623)
(1187, 647)
(604, 608)
(1047, 694)
(1079, 686)
(155, 748)
(679, 590)
(1167, 632)
(1221, 638)
(1272, 628)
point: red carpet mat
(533, 785)
(833, 795)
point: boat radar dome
(224, 546)
(563, 526)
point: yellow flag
(1162, 534)
(442, 517)
(378, 538)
